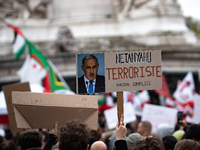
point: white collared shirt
(87, 83)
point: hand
(182, 123)
(121, 129)
(54, 130)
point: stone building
(63, 28)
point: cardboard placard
(111, 115)
(7, 89)
(158, 114)
(42, 110)
(123, 71)
(196, 118)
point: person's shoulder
(100, 76)
(81, 77)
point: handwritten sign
(111, 115)
(123, 71)
(196, 118)
(159, 114)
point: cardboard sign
(159, 114)
(196, 118)
(42, 110)
(123, 71)
(111, 115)
(7, 89)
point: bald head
(144, 128)
(98, 145)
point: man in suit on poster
(90, 82)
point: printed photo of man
(90, 81)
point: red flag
(165, 89)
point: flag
(31, 71)
(19, 43)
(37, 66)
(185, 90)
(105, 102)
(170, 102)
(165, 89)
(138, 99)
(51, 81)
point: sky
(190, 8)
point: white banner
(196, 118)
(158, 114)
(111, 115)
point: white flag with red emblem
(31, 71)
(185, 90)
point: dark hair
(8, 145)
(95, 135)
(46, 135)
(148, 143)
(193, 132)
(73, 136)
(29, 139)
(89, 57)
(169, 142)
(187, 144)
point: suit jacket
(99, 86)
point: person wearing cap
(133, 138)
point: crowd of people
(75, 135)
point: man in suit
(90, 82)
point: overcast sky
(190, 8)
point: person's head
(95, 135)
(144, 128)
(147, 143)
(164, 129)
(132, 138)
(90, 66)
(169, 142)
(45, 137)
(29, 139)
(8, 145)
(187, 144)
(178, 134)
(193, 133)
(73, 136)
(98, 145)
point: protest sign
(111, 115)
(7, 89)
(196, 118)
(42, 110)
(158, 114)
(119, 71)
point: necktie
(90, 87)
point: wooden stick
(120, 105)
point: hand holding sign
(121, 129)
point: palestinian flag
(19, 43)
(105, 102)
